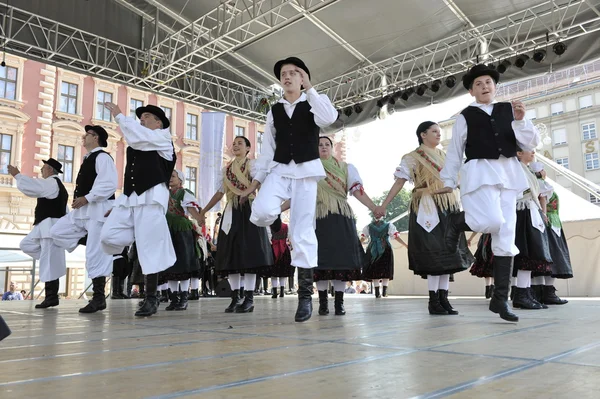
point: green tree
(397, 207)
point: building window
(594, 199)
(8, 83)
(65, 156)
(589, 131)
(259, 141)
(556, 108)
(133, 105)
(68, 97)
(190, 178)
(564, 162)
(240, 131)
(531, 114)
(5, 152)
(102, 113)
(191, 131)
(559, 136)
(168, 112)
(585, 102)
(592, 161)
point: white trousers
(147, 226)
(69, 230)
(493, 210)
(52, 263)
(303, 195)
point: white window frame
(170, 103)
(557, 112)
(187, 180)
(73, 78)
(554, 142)
(237, 129)
(135, 94)
(595, 161)
(595, 131)
(593, 199)
(12, 123)
(109, 87)
(18, 63)
(587, 104)
(194, 110)
(529, 112)
(564, 162)
(62, 161)
(188, 125)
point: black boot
(435, 307)
(523, 301)
(488, 291)
(248, 305)
(538, 292)
(121, 289)
(305, 290)
(339, 303)
(194, 295)
(98, 301)
(114, 289)
(183, 301)
(443, 295)
(235, 300)
(51, 299)
(129, 287)
(266, 285)
(550, 297)
(377, 295)
(323, 306)
(273, 292)
(456, 226)
(164, 295)
(499, 302)
(174, 301)
(150, 305)
(332, 291)
(281, 289)
(513, 289)
(384, 291)
(531, 296)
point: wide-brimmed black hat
(477, 71)
(102, 134)
(156, 111)
(290, 60)
(55, 164)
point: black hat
(290, 60)
(55, 164)
(156, 111)
(477, 71)
(102, 135)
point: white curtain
(211, 155)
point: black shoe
(235, 301)
(248, 305)
(183, 301)
(454, 228)
(174, 301)
(384, 291)
(274, 293)
(538, 292)
(305, 290)
(98, 301)
(51, 299)
(523, 301)
(443, 295)
(194, 295)
(164, 296)
(149, 307)
(339, 303)
(281, 289)
(488, 291)
(377, 295)
(323, 305)
(550, 296)
(435, 307)
(499, 302)
(531, 296)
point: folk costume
(282, 267)
(379, 264)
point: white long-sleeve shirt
(141, 138)
(503, 172)
(325, 114)
(40, 188)
(103, 188)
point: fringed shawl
(333, 190)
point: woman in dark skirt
(531, 238)
(282, 269)
(430, 213)
(243, 248)
(483, 266)
(185, 241)
(340, 252)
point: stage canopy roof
(220, 53)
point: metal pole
(32, 279)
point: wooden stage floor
(382, 348)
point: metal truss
(506, 37)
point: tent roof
(573, 207)
(220, 53)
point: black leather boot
(165, 295)
(488, 291)
(323, 305)
(248, 305)
(443, 295)
(273, 292)
(499, 302)
(435, 307)
(531, 296)
(174, 301)
(150, 305)
(339, 303)
(281, 289)
(114, 288)
(266, 285)
(456, 226)
(182, 304)
(377, 294)
(384, 291)
(121, 289)
(513, 289)
(235, 300)
(550, 297)
(305, 290)
(98, 301)
(51, 299)
(523, 301)
(129, 287)
(194, 295)
(538, 292)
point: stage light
(539, 55)
(491, 66)
(559, 48)
(358, 108)
(348, 111)
(421, 89)
(521, 61)
(436, 85)
(392, 101)
(450, 82)
(407, 93)
(504, 65)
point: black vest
(488, 137)
(146, 169)
(52, 208)
(87, 175)
(296, 138)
